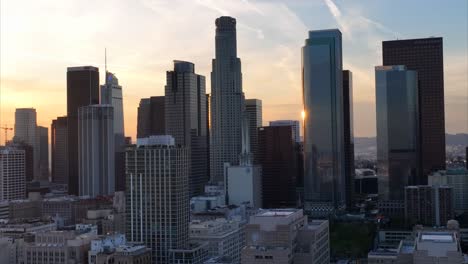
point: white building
(293, 123)
(12, 174)
(458, 180)
(244, 185)
(96, 156)
(225, 238)
(111, 94)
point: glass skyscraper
(324, 156)
(397, 129)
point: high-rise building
(397, 129)
(253, 108)
(185, 116)
(28, 157)
(12, 174)
(96, 150)
(293, 123)
(42, 142)
(25, 132)
(157, 195)
(458, 180)
(151, 117)
(277, 156)
(348, 136)
(111, 94)
(59, 149)
(428, 205)
(227, 100)
(82, 90)
(285, 236)
(324, 156)
(426, 57)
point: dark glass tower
(426, 57)
(253, 108)
(151, 117)
(82, 90)
(348, 135)
(227, 100)
(324, 154)
(185, 117)
(59, 150)
(277, 156)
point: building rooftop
(437, 244)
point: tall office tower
(324, 156)
(279, 236)
(25, 131)
(348, 136)
(253, 108)
(277, 156)
(292, 123)
(426, 57)
(59, 150)
(28, 157)
(157, 195)
(111, 94)
(82, 90)
(42, 142)
(151, 117)
(12, 174)
(227, 100)
(185, 116)
(96, 151)
(397, 129)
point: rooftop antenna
(105, 59)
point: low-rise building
(114, 248)
(107, 220)
(22, 227)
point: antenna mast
(105, 59)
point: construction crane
(6, 132)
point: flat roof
(437, 237)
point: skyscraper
(348, 135)
(185, 117)
(111, 94)
(397, 129)
(42, 142)
(292, 123)
(59, 150)
(227, 100)
(82, 90)
(96, 154)
(12, 174)
(25, 131)
(158, 195)
(151, 117)
(253, 108)
(426, 57)
(324, 156)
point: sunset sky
(40, 39)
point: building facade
(26, 132)
(59, 150)
(227, 100)
(348, 136)
(185, 117)
(397, 130)
(82, 90)
(42, 140)
(12, 174)
(295, 127)
(157, 178)
(253, 109)
(96, 154)
(426, 57)
(151, 117)
(324, 155)
(458, 180)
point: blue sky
(41, 38)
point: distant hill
(367, 146)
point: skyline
(34, 70)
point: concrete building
(96, 150)
(151, 117)
(25, 209)
(244, 185)
(21, 228)
(113, 248)
(186, 117)
(253, 109)
(285, 236)
(458, 180)
(428, 205)
(82, 90)
(107, 220)
(324, 155)
(26, 132)
(296, 127)
(12, 174)
(10, 250)
(397, 129)
(157, 177)
(192, 253)
(59, 150)
(224, 238)
(227, 100)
